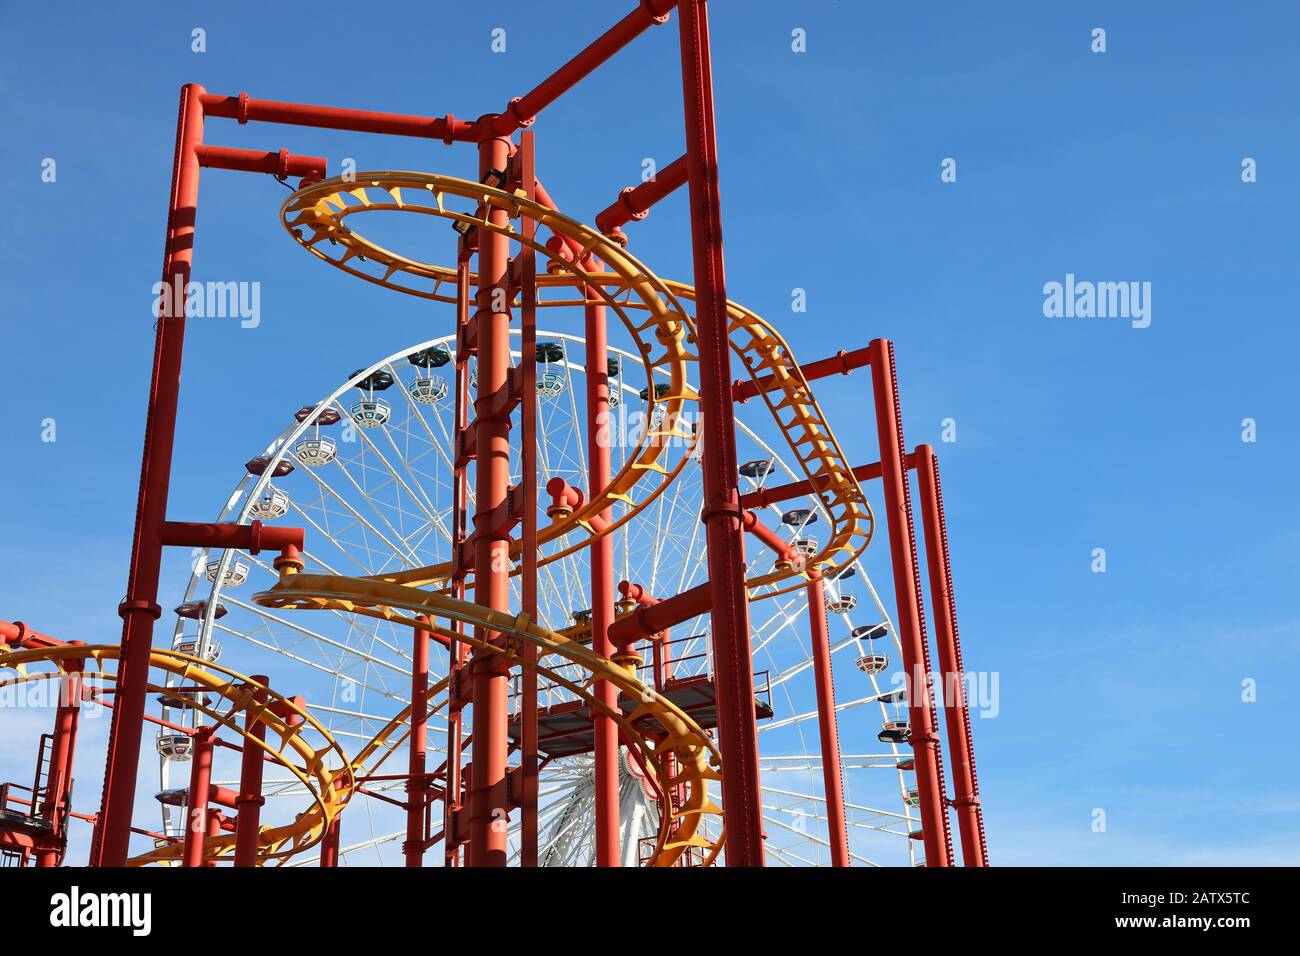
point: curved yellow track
(287, 745)
(318, 217)
(684, 757)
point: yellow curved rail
(330, 788)
(694, 757)
(317, 217)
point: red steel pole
(58, 807)
(826, 722)
(634, 202)
(245, 108)
(521, 111)
(140, 608)
(489, 746)
(453, 802)
(329, 844)
(602, 584)
(249, 802)
(961, 752)
(196, 806)
(841, 363)
(417, 746)
(529, 767)
(732, 655)
(911, 624)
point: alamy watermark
(1085, 299)
(213, 300)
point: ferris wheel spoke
(421, 498)
(405, 553)
(298, 659)
(358, 517)
(320, 638)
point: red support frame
(486, 554)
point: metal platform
(566, 729)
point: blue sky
(1121, 690)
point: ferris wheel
(368, 472)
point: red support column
(140, 608)
(911, 625)
(453, 802)
(826, 722)
(732, 655)
(58, 790)
(417, 787)
(489, 746)
(196, 806)
(329, 844)
(248, 821)
(602, 584)
(961, 752)
(526, 160)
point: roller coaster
(487, 522)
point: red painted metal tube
(140, 608)
(521, 111)
(961, 750)
(602, 584)
(634, 202)
(417, 746)
(841, 363)
(196, 806)
(18, 634)
(282, 164)
(650, 619)
(754, 525)
(252, 537)
(329, 844)
(528, 760)
(58, 788)
(249, 800)
(491, 545)
(453, 804)
(762, 497)
(911, 625)
(244, 109)
(838, 834)
(732, 655)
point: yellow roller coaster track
(682, 758)
(287, 743)
(317, 216)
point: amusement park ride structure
(699, 765)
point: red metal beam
(634, 202)
(417, 745)
(196, 805)
(841, 363)
(282, 165)
(924, 738)
(961, 749)
(521, 111)
(732, 656)
(245, 109)
(526, 162)
(602, 583)
(63, 748)
(488, 804)
(140, 608)
(249, 800)
(833, 783)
